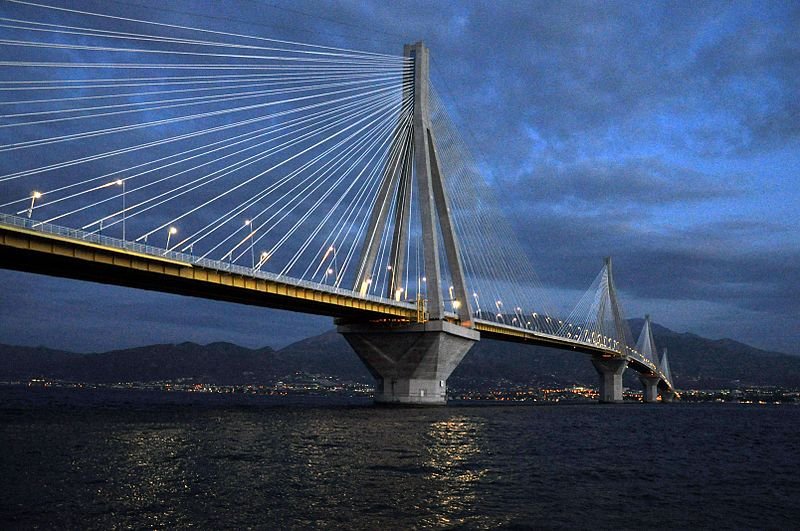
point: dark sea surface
(135, 459)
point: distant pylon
(646, 345)
(664, 365)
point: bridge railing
(189, 259)
(627, 351)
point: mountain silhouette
(696, 362)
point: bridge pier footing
(667, 396)
(410, 363)
(649, 387)
(610, 371)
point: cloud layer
(663, 134)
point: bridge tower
(412, 361)
(666, 391)
(647, 347)
(610, 368)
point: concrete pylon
(610, 371)
(649, 387)
(411, 363)
(667, 395)
(434, 206)
(622, 331)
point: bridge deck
(56, 251)
(33, 247)
(504, 332)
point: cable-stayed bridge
(268, 172)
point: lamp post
(34, 196)
(262, 260)
(121, 182)
(335, 269)
(330, 250)
(249, 223)
(477, 303)
(170, 232)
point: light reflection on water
(283, 465)
(453, 456)
(152, 473)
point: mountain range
(696, 362)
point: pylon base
(410, 363)
(610, 371)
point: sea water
(135, 459)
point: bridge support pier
(610, 371)
(667, 396)
(410, 363)
(649, 387)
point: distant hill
(700, 363)
(696, 362)
(222, 363)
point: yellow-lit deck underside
(38, 252)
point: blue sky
(665, 134)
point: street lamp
(262, 260)
(477, 303)
(170, 232)
(34, 196)
(248, 223)
(330, 250)
(121, 182)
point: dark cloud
(631, 183)
(579, 71)
(716, 262)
